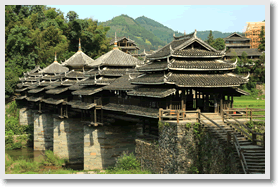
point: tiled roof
(121, 83)
(76, 87)
(206, 80)
(55, 67)
(81, 105)
(118, 39)
(179, 48)
(35, 70)
(250, 52)
(152, 92)
(91, 73)
(149, 78)
(37, 90)
(57, 90)
(195, 52)
(236, 36)
(116, 71)
(87, 91)
(21, 90)
(21, 97)
(104, 81)
(33, 99)
(132, 110)
(52, 101)
(69, 82)
(201, 65)
(154, 66)
(87, 82)
(117, 58)
(75, 74)
(78, 60)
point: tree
(71, 16)
(262, 40)
(210, 39)
(218, 44)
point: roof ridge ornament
(171, 50)
(115, 42)
(247, 76)
(184, 32)
(223, 51)
(79, 46)
(174, 35)
(235, 63)
(195, 34)
(55, 57)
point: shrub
(52, 160)
(127, 162)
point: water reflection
(25, 153)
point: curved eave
(147, 70)
(203, 86)
(144, 83)
(199, 69)
(198, 56)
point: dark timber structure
(126, 45)
(236, 44)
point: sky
(223, 18)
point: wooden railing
(240, 154)
(177, 115)
(247, 113)
(250, 133)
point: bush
(127, 162)
(52, 160)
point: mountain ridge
(147, 33)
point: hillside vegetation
(126, 26)
(147, 33)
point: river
(30, 154)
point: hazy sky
(224, 18)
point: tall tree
(210, 39)
(218, 44)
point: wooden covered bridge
(186, 77)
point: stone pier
(69, 139)
(103, 144)
(26, 116)
(43, 131)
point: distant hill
(159, 30)
(147, 33)
(124, 25)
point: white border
(176, 176)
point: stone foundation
(185, 149)
(43, 131)
(26, 116)
(103, 144)
(68, 139)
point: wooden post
(199, 115)
(221, 106)
(232, 104)
(228, 138)
(178, 116)
(160, 114)
(246, 112)
(61, 110)
(264, 140)
(251, 115)
(95, 116)
(40, 106)
(170, 102)
(254, 139)
(102, 116)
